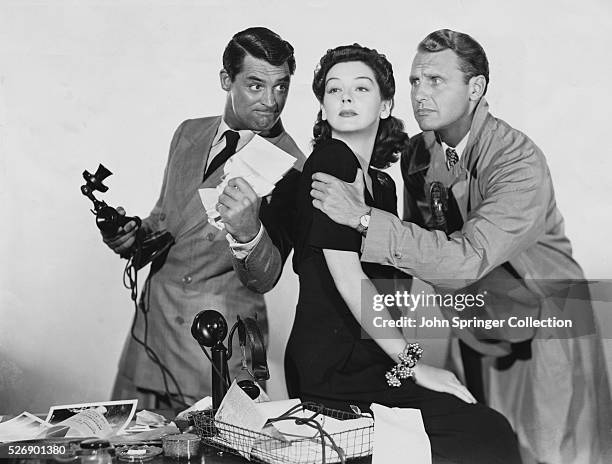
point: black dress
(329, 361)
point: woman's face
(352, 100)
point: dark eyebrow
(254, 79)
(282, 80)
(358, 77)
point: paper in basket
(259, 162)
(239, 410)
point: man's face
(257, 95)
(441, 99)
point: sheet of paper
(259, 162)
(25, 426)
(239, 410)
(145, 436)
(200, 405)
(261, 159)
(399, 425)
(87, 423)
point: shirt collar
(460, 148)
(245, 135)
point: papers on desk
(25, 426)
(102, 419)
(260, 163)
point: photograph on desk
(395, 211)
(101, 419)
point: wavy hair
(261, 43)
(472, 57)
(391, 139)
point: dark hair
(472, 57)
(261, 43)
(391, 140)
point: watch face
(365, 220)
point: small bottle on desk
(96, 451)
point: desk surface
(208, 455)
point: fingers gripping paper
(399, 425)
(259, 162)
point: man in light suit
(207, 268)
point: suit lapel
(190, 172)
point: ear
(323, 115)
(385, 109)
(226, 81)
(477, 85)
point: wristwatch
(364, 222)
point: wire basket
(270, 446)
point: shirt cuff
(242, 250)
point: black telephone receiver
(147, 247)
(209, 328)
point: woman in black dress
(328, 358)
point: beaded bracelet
(404, 369)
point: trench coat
(558, 398)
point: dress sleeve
(336, 159)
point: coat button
(179, 320)
(397, 255)
(210, 236)
(187, 279)
(162, 217)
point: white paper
(399, 425)
(239, 410)
(200, 405)
(259, 162)
(87, 423)
(25, 426)
(148, 435)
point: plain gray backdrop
(84, 82)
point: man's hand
(123, 240)
(239, 209)
(343, 202)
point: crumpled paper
(259, 162)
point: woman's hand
(441, 380)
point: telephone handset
(147, 247)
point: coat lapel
(191, 172)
